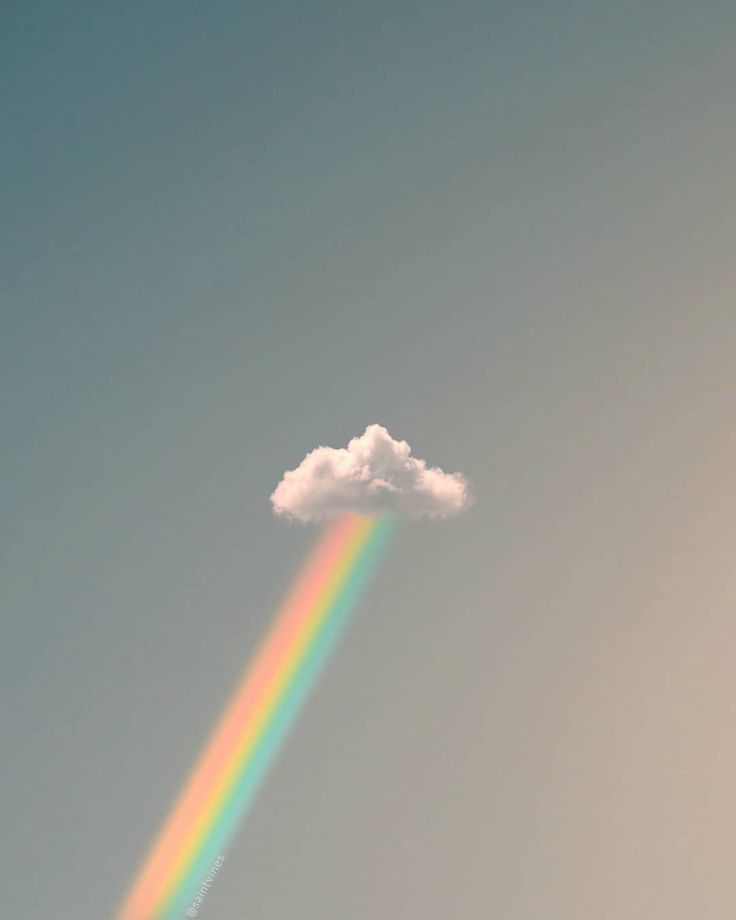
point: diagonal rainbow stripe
(239, 752)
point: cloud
(373, 474)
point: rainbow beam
(265, 704)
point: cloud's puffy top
(373, 474)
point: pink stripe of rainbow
(231, 747)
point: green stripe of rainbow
(236, 759)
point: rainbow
(235, 760)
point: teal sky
(234, 231)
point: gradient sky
(506, 231)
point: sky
(234, 232)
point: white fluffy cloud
(373, 474)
